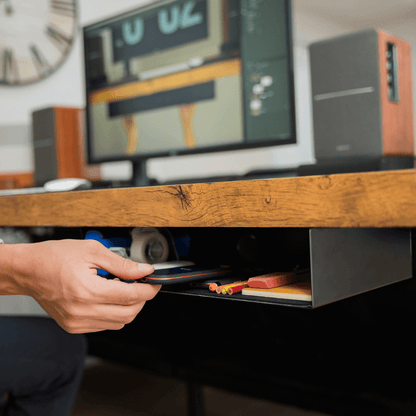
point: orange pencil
(224, 281)
(213, 287)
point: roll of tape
(121, 251)
(148, 246)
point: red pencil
(236, 289)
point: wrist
(14, 271)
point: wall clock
(36, 36)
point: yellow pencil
(223, 289)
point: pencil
(236, 289)
(223, 289)
(221, 282)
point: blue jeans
(41, 366)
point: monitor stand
(140, 177)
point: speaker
(58, 143)
(362, 101)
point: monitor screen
(189, 76)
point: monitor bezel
(200, 150)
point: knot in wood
(182, 195)
(324, 183)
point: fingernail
(145, 266)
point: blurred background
(313, 20)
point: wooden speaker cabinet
(57, 140)
(362, 97)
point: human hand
(62, 277)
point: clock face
(35, 38)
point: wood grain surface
(68, 132)
(374, 199)
(397, 117)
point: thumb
(121, 267)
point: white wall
(65, 88)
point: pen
(204, 285)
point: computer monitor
(189, 76)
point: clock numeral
(60, 40)
(10, 69)
(42, 65)
(66, 8)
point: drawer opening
(337, 263)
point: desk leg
(195, 399)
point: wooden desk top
(374, 199)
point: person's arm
(62, 277)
